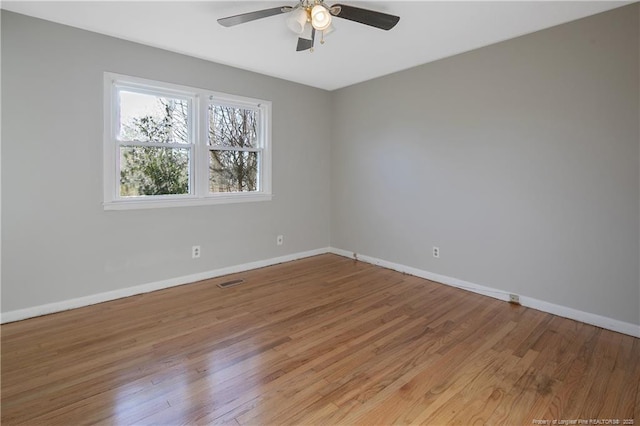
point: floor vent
(230, 283)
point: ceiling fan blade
(230, 21)
(372, 18)
(305, 43)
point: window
(167, 145)
(233, 148)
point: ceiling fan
(311, 16)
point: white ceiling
(427, 31)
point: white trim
(178, 201)
(137, 144)
(264, 166)
(540, 305)
(201, 160)
(150, 87)
(79, 302)
(109, 159)
(233, 148)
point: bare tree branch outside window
(153, 170)
(233, 170)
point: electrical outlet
(195, 252)
(280, 240)
(436, 252)
(514, 298)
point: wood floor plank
(557, 354)
(324, 340)
(429, 388)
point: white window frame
(199, 100)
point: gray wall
(58, 242)
(519, 160)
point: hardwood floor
(323, 340)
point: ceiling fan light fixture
(297, 20)
(320, 17)
(310, 17)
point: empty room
(308, 212)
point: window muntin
(165, 146)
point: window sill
(185, 202)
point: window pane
(153, 171)
(149, 118)
(233, 171)
(233, 127)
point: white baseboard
(563, 311)
(79, 302)
(540, 305)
